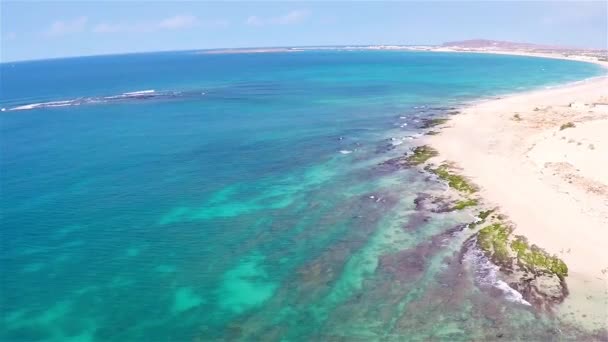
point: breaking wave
(149, 94)
(486, 275)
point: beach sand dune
(542, 158)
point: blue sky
(35, 30)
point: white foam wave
(346, 151)
(487, 275)
(45, 104)
(397, 141)
(133, 95)
(140, 92)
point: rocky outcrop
(418, 155)
(442, 203)
(537, 275)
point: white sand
(551, 183)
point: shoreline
(549, 181)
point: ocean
(181, 196)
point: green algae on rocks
(428, 123)
(455, 181)
(482, 216)
(421, 154)
(537, 275)
(469, 202)
(504, 248)
(493, 240)
(537, 258)
(418, 156)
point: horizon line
(283, 47)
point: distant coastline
(470, 46)
(476, 45)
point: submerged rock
(434, 204)
(396, 163)
(385, 148)
(442, 108)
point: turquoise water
(242, 199)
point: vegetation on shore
(567, 125)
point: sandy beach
(541, 158)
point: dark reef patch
(436, 204)
(316, 277)
(408, 264)
(416, 221)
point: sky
(51, 29)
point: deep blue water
(238, 200)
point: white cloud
(178, 22)
(254, 20)
(217, 23)
(123, 28)
(108, 28)
(61, 27)
(293, 17)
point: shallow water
(242, 199)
